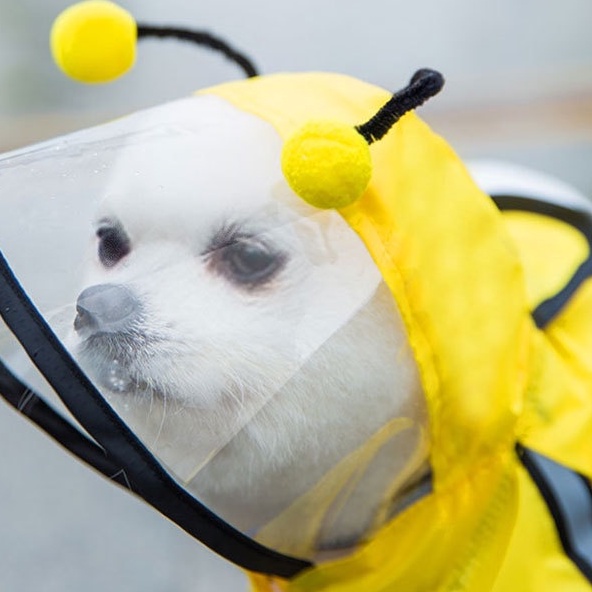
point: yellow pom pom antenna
(328, 164)
(94, 41)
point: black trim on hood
(569, 499)
(29, 403)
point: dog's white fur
(251, 394)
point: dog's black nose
(106, 308)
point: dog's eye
(114, 245)
(248, 263)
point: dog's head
(269, 352)
(269, 357)
(223, 316)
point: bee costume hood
(500, 330)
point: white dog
(248, 339)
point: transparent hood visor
(206, 303)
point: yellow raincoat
(506, 368)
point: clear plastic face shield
(219, 346)
(242, 335)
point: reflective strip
(569, 498)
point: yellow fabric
(559, 401)
(547, 269)
(491, 378)
(94, 41)
(534, 560)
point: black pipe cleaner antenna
(200, 38)
(423, 85)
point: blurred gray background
(519, 87)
